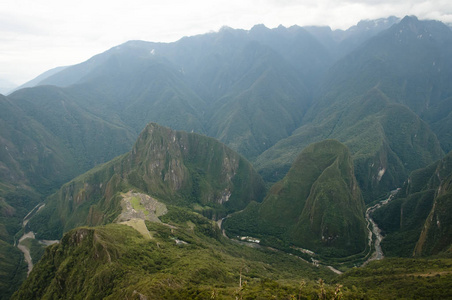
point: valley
(29, 237)
(182, 170)
(26, 250)
(375, 236)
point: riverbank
(376, 231)
(26, 250)
(22, 246)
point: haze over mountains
(330, 120)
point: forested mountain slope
(417, 221)
(386, 141)
(381, 88)
(390, 88)
(317, 206)
(174, 167)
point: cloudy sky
(36, 36)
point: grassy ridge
(115, 261)
(399, 278)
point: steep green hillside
(248, 89)
(228, 85)
(137, 87)
(13, 269)
(436, 235)
(416, 221)
(192, 260)
(440, 120)
(407, 64)
(32, 162)
(400, 278)
(30, 154)
(46, 139)
(186, 260)
(180, 168)
(90, 140)
(411, 63)
(266, 103)
(317, 206)
(386, 141)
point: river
(378, 254)
(30, 235)
(375, 231)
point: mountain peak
(419, 27)
(412, 24)
(174, 167)
(259, 30)
(409, 19)
(372, 24)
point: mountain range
(286, 133)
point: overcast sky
(36, 36)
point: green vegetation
(180, 168)
(136, 204)
(36, 249)
(13, 269)
(317, 206)
(398, 278)
(259, 92)
(15, 203)
(386, 141)
(115, 261)
(357, 107)
(247, 118)
(417, 220)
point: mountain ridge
(381, 89)
(311, 206)
(414, 223)
(175, 167)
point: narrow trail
(32, 213)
